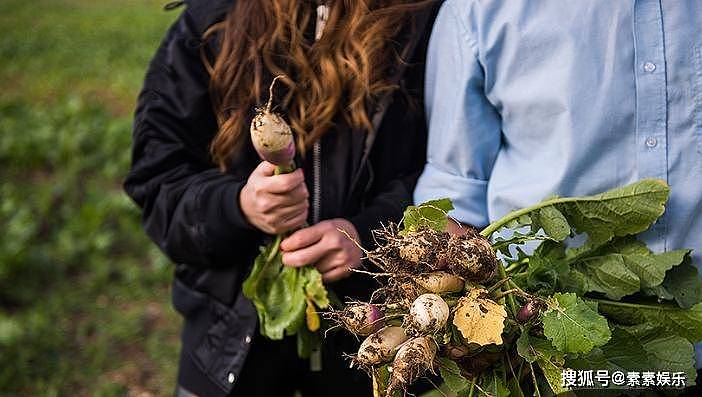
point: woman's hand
(274, 203)
(332, 252)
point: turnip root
(427, 315)
(360, 318)
(471, 256)
(381, 346)
(413, 359)
(422, 248)
(528, 311)
(272, 137)
(440, 282)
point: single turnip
(413, 359)
(471, 256)
(360, 318)
(427, 315)
(272, 137)
(381, 346)
(440, 282)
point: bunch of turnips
(563, 284)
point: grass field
(84, 296)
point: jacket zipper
(316, 181)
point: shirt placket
(651, 100)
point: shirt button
(231, 377)
(649, 67)
(247, 339)
(651, 142)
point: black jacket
(190, 208)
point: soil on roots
(471, 257)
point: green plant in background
(80, 284)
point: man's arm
(464, 127)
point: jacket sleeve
(387, 205)
(190, 208)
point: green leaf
(432, 214)
(552, 221)
(545, 266)
(532, 348)
(610, 275)
(623, 352)
(451, 375)
(278, 293)
(573, 326)
(314, 288)
(682, 283)
(620, 268)
(686, 323)
(672, 353)
(553, 374)
(641, 348)
(492, 386)
(541, 352)
(618, 212)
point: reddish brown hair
(337, 76)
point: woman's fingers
(336, 274)
(303, 238)
(274, 203)
(264, 169)
(305, 256)
(284, 183)
(293, 223)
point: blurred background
(84, 297)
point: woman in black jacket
(354, 101)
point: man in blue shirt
(526, 99)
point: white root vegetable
(413, 359)
(440, 282)
(381, 346)
(427, 315)
(361, 318)
(272, 137)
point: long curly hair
(339, 75)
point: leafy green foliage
(618, 212)
(624, 267)
(81, 286)
(552, 221)
(451, 375)
(682, 283)
(566, 264)
(686, 323)
(431, 214)
(280, 292)
(493, 386)
(640, 348)
(573, 326)
(314, 288)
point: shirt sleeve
(464, 128)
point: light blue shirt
(529, 98)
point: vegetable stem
(537, 393)
(494, 226)
(510, 299)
